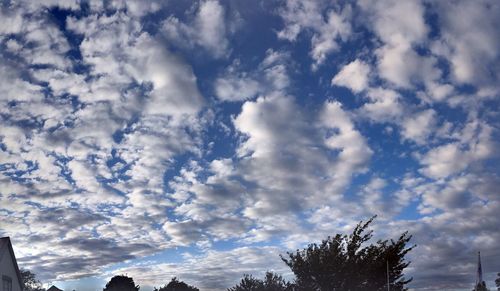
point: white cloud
(472, 50)
(454, 194)
(133, 55)
(438, 92)
(444, 160)
(11, 20)
(207, 29)
(401, 26)
(385, 106)
(135, 8)
(278, 155)
(233, 88)
(174, 83)
(270, 76)
(475, 144)
(397, 21)
(354, 152)
(402, 66)
(419, 126)
(210, 21)
(374, 200)
(354, 76)
(328, 28)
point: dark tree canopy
(497, 282)
(346, 263)
(275, 282)
(480, 287)
(176, 285)
(121, 283)
(30, 282)
(271, 282)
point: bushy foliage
(271, 282)
(480, 287)
(346, 263)
(30, 282)
(176, 285)
(121, 283)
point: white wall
(7, 268)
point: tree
(248, 283)
(480, 287)
(271, 282)
(275, 282)
(121, 283)
(341, 263)
(497, 282)
(30, 282)
(176, 285)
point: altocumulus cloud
(202, 139)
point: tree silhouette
(480, 287)
(30, 282)
(176, 285)
(341, 263)
(121, 283)
(271, 282)
(275, 282)
(497, 282)
(248, 283)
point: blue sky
(201, 139)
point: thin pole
(388, 284)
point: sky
(201, 139)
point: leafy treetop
(271, 282)
(30, 282)
(176, 285)
(346, 263)
(121, 283)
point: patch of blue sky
(170, 256)
(81, 284)
(19, 173)
(410, 211)
(59, 17)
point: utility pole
(388, 282)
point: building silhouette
(9, 271)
